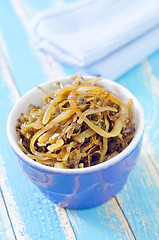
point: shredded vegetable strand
(115, 132)
(50, 108)
(59, 118)
(97, 110)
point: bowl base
(88, 199)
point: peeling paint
(6, 231)
(18, 224)
(152, 81)
(150, 157)
(75, 220)
(13, 95)
(65, 223)
(117, 220)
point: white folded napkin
(104, 37)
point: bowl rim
(130, 148)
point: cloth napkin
(104, 37)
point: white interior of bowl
(34, 97)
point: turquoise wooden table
(24, 212)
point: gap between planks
(129, 234)
(126, 219)
(7, 223)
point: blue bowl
(79, 188)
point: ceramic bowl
(79, 188)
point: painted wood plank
(24, 64)
(151, 81)
(6, 230)
(32, 215)
(139, 198)
(51, 67)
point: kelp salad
(77, 125)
